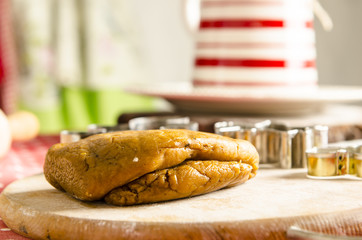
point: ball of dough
(24, 125)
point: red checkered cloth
(23, 159)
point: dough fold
(185, 180)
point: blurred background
(67, 61)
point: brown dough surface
(90, 168)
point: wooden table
(263, 208)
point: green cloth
(79, 107)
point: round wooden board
(263, 208)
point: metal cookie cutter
(74, 136)
(141, 123)
(335, 162)
(162, 122)
(278, 146)
(95, 128)
(357, 163)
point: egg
(24, 125)
(5, 135)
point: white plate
(248, 101)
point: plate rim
(185, 92)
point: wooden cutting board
(263, 208)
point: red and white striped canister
(255, 44)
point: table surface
(263, 208)
(23, 159)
